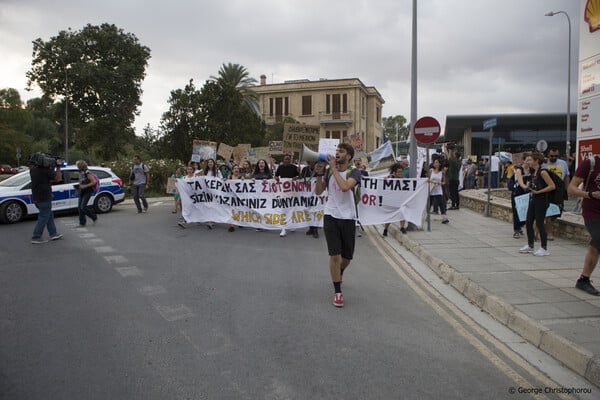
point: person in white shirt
(340, 213)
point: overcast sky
(474, 56)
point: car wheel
(11, 212)
(103, 203)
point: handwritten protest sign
(295, 135)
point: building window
(363, 106)
(306, 105)
(270, 106)
(327, 104)
(378, 113)
(286, 106)
(344, 103)
(333, 135)
(278, 109)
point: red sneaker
(338, 300)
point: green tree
(182, 123)
(14, 119)
(100, 70)
(236, 76)
(395, 128)
(226, 117)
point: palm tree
(236, 76)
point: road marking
(152, 290)
(94, 242)
(403, 269)
(129, 271)
(104, 249)
(115, 259)
(87, 235)
(174, 313)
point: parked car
(6, 169)
(20, 169)
(16, 201)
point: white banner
(269, 204)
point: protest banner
(271, 204)
(171, 188)
(240, 152)
(205, 149)
(276, 147)
(225, 151)
(355, 141)
(257, 153)
(381, 158)
(296, 135)
(522, 205)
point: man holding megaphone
(340, 216)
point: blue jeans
(45, 219)
(83, 208)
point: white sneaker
(283, 233)
(541, 252)
(526, 249)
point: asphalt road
(138, 308)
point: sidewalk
(534, 296)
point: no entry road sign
(427, 130)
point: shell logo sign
(592, 14)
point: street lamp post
(568, 144)
(39, 45)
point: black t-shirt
(287, 171)
(41, 183)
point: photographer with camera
(44, 170)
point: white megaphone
(307, 155)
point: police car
(16, 201)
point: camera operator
(42, 177)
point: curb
(576, 358)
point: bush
(160, 171)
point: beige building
(341, 107)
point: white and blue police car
(16, 202)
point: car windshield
(17, 180)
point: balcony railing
(335, 117)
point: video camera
(43, 160)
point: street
(138, 308)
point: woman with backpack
(539, 187)
(87, 183)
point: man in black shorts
(340, 213)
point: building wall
(362, 115)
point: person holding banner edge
(340, 213)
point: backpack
(97, 185)
(557, 196)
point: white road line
(87, 235)
(171, 314)
(94, 242)
(129, 271)
(152, 290)
(104, 249)
(115, 259)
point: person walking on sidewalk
(41, 193)
(436, 196)
(588, 173)
(453, 174)
(140, 176)
(340, 213)
(86, 190)
(541, 184)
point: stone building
(342, 108)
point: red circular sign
(427, 130)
